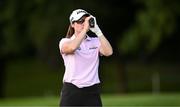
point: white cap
(77, 14)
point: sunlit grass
(108, 100)
(142, 100)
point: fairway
(132, 100)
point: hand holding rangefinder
(94, 27)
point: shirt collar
(87, 38)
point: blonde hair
(70, 32)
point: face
(79, 24)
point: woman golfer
(81, 53)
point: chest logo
(93, 47)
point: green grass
(108, 100)
(142, 100)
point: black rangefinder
(91, 22)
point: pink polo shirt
(81, 68)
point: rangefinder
(91, 22)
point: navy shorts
(74, 96)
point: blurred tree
(30, 29)
(155, 20)
(145, 24)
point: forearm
(70, 46)
(75, 43)
(105, 48)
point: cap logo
(81, 11)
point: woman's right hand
(86, 23)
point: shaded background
(144, 35)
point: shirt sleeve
(62, 41)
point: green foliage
(31, 22)
(153, 23)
